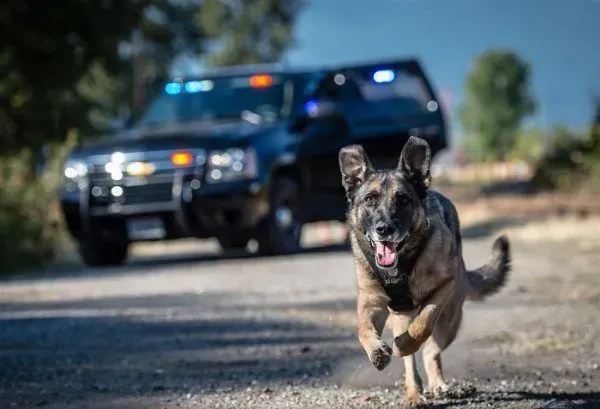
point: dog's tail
(491, 277)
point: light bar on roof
(384, 76)
(198, 86)
(173, 88)
(261, 81)
(191, 87)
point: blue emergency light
(311, 107)
(198, 86)
(383, 76)
(173, 88)
(191, 87)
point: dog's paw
(381, 356)
(438, 390)
(414, 400)
(454, 390)
(404, 344)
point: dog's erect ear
(355, 167)
(415, 163)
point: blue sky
(559, 38)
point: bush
(527, 147)
(572, 162)
(31, 228)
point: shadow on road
(68, 351)
(590, 400)
(242, 255)
(544, 400)
(484, 229)
(161, 346)
(500, 188)
(143, 263)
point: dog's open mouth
(386, 254)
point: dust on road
(195, 332)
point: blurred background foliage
(498, 98)
(498, 101)
(248, 31)
(70, 68)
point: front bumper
(114, 195)
(185, 208)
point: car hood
(173, 137)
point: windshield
(218, 98)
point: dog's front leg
(372, 314)
(413, 384)
(422, 326)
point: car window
(339, 88)
(225, 97)
(400, 87)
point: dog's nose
(383, 229)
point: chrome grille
(136, 190)
(157, 192)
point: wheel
(233, 242)
(103, 253)
(282, 228)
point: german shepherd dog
(407, 247)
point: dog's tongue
(386, 253)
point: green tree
(67, 64)
(529, 145)
(65, 70)
(498, 98)
(248, 31)
(46, 48)
(167, 30)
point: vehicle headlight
(74, 171)
(230, 165)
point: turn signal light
(182, 159)
(261, 81)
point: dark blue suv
(243, 153)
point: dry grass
(526, 342)
(527, 207)
(549, 344)
(583, 231)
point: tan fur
(437, 285)
(440, 288)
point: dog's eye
(370, 200)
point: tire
(281, 230)
(233, 243)
(97, 253)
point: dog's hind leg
(432, 360)
(443, 335)
(412, 381)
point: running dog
(407, 247)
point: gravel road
(196, 331)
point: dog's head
(387, 208)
